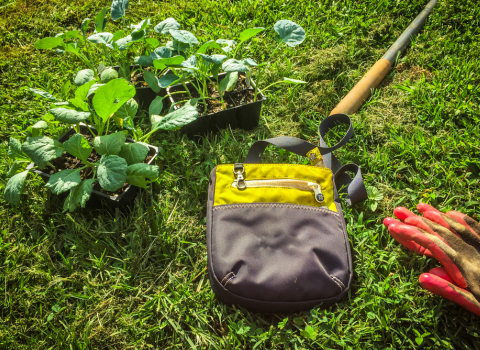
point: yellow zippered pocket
(300, 185)
(274, 183)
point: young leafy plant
(199, 68)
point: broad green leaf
(215, 59)
(79, 104)
(129, 109)
(127, 123)
(176, 119)
(165, 26)
(161, 52)
(139, 30)
(111, 96)
(15, 150)
(49, 118)
(69, 116)
(144, 61)
(250, 32)
(156, 106)
(79, 196)
(72, 47)
(174, 61)
(14, 188)
(229, 44)
(108, 74)
(293, 81)
(137, 36)
(84, 26)
(73, 34)
(167, 80)
(49, 43)
(104, 38)
(152, 80)
(215, 69)
(41, 124)
(152, 42)
(233, 65)
(177, 46)
(123, 43)
(118, 35)
(184, 36)
(83, 77)
(289, 32)
(13, 169)
(118, 9)
(191, 62)
(82, 91)
(78, 146)
(101, 20)
(133, 152)
(94, 88)
(112, 172)
(64, 180)
(137, 174)
(109, 144)
(207, 45)
(250, 62)
(140, 26)
(42, 149)
(44, 94)
(229, 81)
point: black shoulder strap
(354, 188)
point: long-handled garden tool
(362, 91)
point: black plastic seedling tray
(121, 200)
(245, 116)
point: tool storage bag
(276, 235)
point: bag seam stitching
(273, 205)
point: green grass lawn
(96, 279)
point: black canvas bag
(276, 235)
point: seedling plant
(107, 111)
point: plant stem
(188, 91)
(220, 92)
(107, 56)
(91, 131)
(108, 124)
(202, 96)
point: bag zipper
(301, 185)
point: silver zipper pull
(317, 189)
(238, 171)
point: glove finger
(440, 251)
(423, 207)
(436, 217)
(460, 217)
(419, 222)
(423, 224)
(454, 226)
(402, 213)
(447, 290)
(414, 247)
(389, 220)
(440, 272)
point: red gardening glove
(454, 240)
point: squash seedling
(108, 158)
(201, 69)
